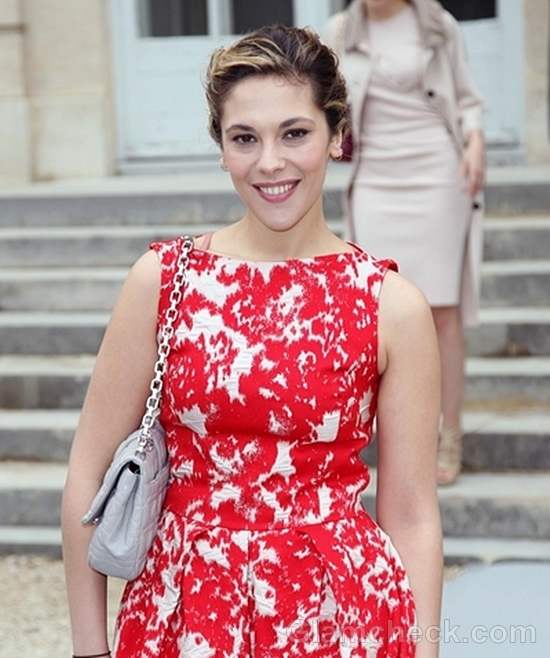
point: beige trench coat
(447, 84)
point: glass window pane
(173, 18)
(471, 10)
(247, 15)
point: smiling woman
(277, 119)
(289, 342)
(273, 162)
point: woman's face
(276, 143)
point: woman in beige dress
(418, 168)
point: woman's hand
(472, 167)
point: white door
(162, 49)
(161, 53)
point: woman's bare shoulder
(146, 270)
(401, 302)
(143, 279)
(148, 263)
(405, 322)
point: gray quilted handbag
(127, 507)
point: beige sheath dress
(409, 200)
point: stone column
(69, 81)
(537, 81)
(15, 164)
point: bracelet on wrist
(91, 655)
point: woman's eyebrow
(290, 122)
(285, 124)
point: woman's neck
(380, 11)
(249, 238)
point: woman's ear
(335, 148)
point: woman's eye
(296, 133)
(247, 138)
(243, 139)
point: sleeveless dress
(408, 197)
(263, 547)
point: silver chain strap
(145, 442)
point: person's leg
(450, 335)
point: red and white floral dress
(263, 547)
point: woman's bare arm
(113, 407)
(407, 506)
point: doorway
(162, 50)
(161, 53)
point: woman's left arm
(407, 506)
(470, 109)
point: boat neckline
(357, 251)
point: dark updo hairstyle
(296, 54)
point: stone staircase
(65, 250)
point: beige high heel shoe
(449, 455)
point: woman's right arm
(409, 401)
(113, 407)
(470, 110)
(469, 100)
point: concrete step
(516, 238)
(56, 332)
(500, 441)
(522, 379)
(42, 382)
(209, 196)
(516, 283)
(60, 382)
(504, 284)
(89, 246)
(32, 539)
(69, 246)
(131, 201)
(492, 441)
(508, 331)
(505, 441)
(478, 505)
(460, 550)
(518, 190)
(37, 434)
(30, 493)
(503, 331)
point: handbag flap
(108, 487)
(125, 458)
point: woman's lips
(280, 192)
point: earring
(222, 164)
(338, 156)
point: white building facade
(93, 88)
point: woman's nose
(270, 159)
